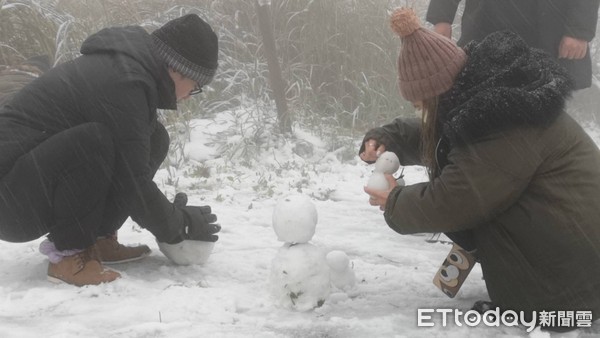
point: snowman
(387, 163)
(300, 276)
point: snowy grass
(229, 296)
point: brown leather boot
(81, 269)
(110, 251)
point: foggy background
(337, 61)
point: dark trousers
(65, 187)
(464, 238)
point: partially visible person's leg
(60, 188)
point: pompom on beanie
(428, 62)
(189, 46)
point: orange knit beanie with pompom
(428, 62)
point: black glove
(200, 225)
(199, 222)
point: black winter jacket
(542, 23)
(120, 82)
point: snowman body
(299, 276)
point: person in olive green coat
(512, 177)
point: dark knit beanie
(428, 62)
(189, 46)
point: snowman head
(338, 260)
(387, 163)
(295, 219)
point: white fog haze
(249, 140)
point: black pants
(66, 187)
(464, 238)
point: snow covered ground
(229, 296)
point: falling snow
(230, 295)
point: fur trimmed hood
(504, 84)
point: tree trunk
(278, 85)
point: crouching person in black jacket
(79, 147)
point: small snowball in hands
(387, 163)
